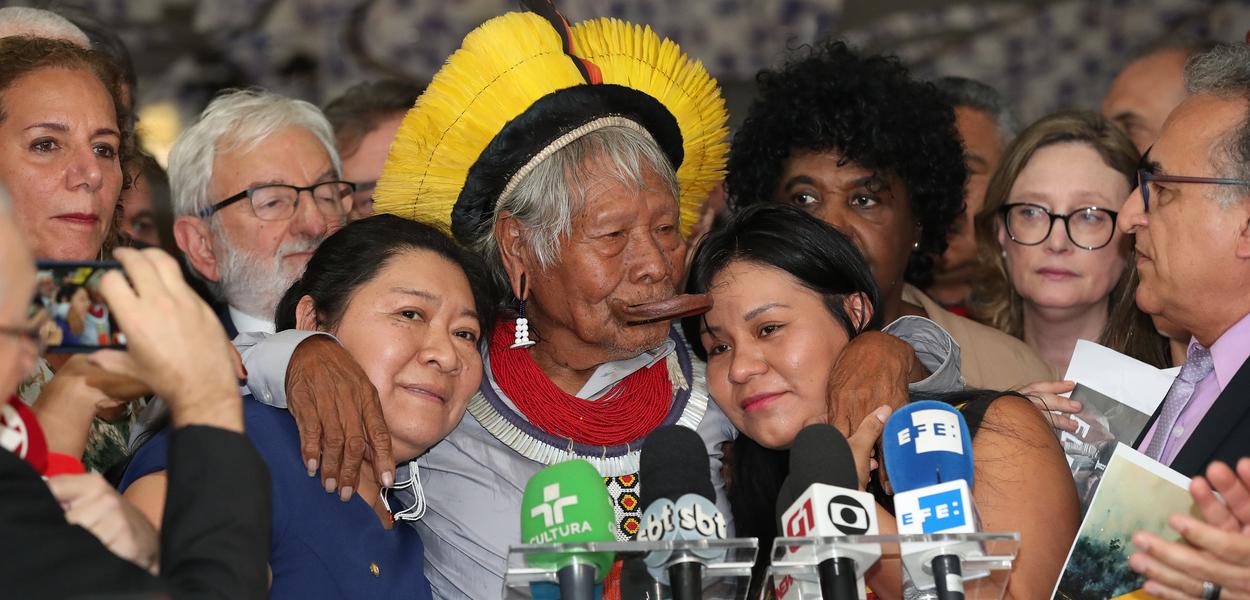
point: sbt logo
(552, 513)
(933, 431)
(937, 512)
(691, 517)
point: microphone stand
(837, 579)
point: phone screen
(68, 304)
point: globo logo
(848, 515)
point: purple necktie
(1198, 365)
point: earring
(522, 324)
(915, 246)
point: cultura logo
(552, 510)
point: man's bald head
(36, 22)
(1146, 91)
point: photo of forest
(1136, 493)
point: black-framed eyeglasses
(277, 201)
(1144, 177)
(1028, 224)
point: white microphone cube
(830, 511)
(942, 508)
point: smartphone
(68, 303)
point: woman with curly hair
(855, 141)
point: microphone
(928, 457)
(676, 487)
(567, 502)
(821, 498)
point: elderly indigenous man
(575, 174)
(256, 188)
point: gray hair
(546, 200)
(1224, 71)
(236, 120)
(980, 96)
(36, 22)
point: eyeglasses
(1144, 177)
(277, 202)
(1030, 224)
(38, 331)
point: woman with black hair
(412, 308)
(855, 141)
(789, 293)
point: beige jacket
(991, 359)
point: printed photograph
(1139, 494)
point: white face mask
(417, 510)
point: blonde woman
(1058, 270)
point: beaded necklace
(632, 409)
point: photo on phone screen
(72, 314)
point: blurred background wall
(1043, 54)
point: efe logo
(933, 431)
(939, 512)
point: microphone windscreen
(674, 463)
(567, 502)
(926, 443)
(821, 454)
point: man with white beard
(256, 187)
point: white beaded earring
(522, 339)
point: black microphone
(676, 489)
(821, 498)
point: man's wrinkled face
(624, 248)
(1187, 243)
(257, 260)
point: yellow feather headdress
(511, 91)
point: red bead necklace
(629, 411)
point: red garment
(21, 434)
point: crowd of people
(352, 333)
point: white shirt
(244, 323)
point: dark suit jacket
(223, 315)
(1224, 433)
(214, 536)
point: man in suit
(255, 185)
(215, 540)
(1191, 218)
